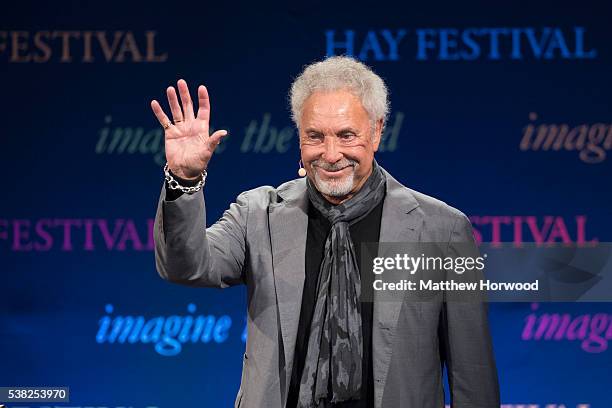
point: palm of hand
(189, 147)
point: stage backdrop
(503, 113)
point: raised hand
(189, 147)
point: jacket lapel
(400, 222)
(288, 220)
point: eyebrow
(347, 130)
(341, 131)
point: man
(313, 341)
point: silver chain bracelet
(174, 185)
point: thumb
(215, 138)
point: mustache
(334, 166)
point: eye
(315, 136)
(347, 135)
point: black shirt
(366, 230)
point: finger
(177, 114)
(215, 138)
(203, 103)
(159, 114)
(185, 99)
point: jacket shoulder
(427, 205)
(263, 196)
(432, 206)
(441, 221)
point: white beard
(338, 187)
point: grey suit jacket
(260, 241)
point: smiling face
(337, 143)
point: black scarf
(332, 370)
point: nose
(331, 153)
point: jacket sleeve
(464, 335)
(188, 253)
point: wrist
(190, 186)
(185, 181)
(179, 174)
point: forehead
(332, 109)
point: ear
(377, 134)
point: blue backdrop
(503, 113)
